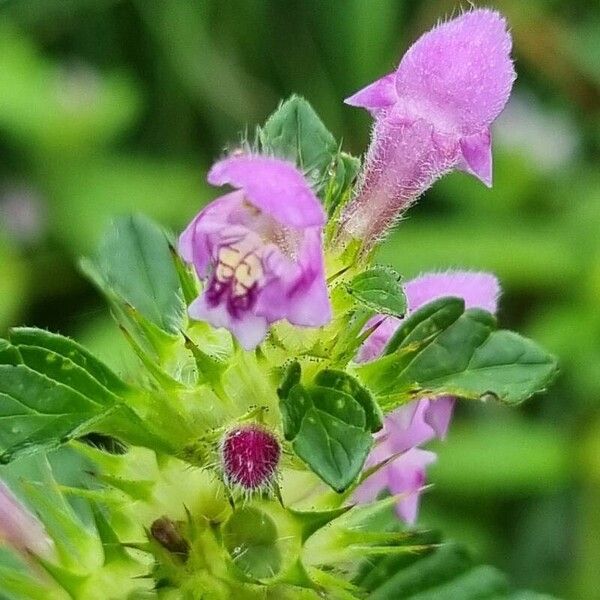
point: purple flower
(432, 115)
(19, 528)
(259, 250)
(418, 422)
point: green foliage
(38, 339)
(295, 132)
(53, 390)
(329, 432)
(443, 349)
(379, 289)
(39, 412)
(134, 265)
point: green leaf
(37, 412)
(428, 321)
(62, 392)
(327, 429)
(334, 450)
(444, 350)
(444, 571)
(295, 132)
(291, 376)
(343, 382)
(9, 355)
(134, 263)
(294, 407)
(71, 350)
(379, 289)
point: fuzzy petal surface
(377, 95)
(273, 185)
(459, 74)
(479, 290)
(449, 87)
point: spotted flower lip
(19, 528)
(420, 421)
(432, 115)
(259, 250)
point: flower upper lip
(272, 185)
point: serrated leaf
(379, 289)
(428, 321)
(349, 385)
(37, 411)
(437, 353)
(50, 398)
(335, 450)
(9, 355)
(71, 350)
(134, 263)
(295, 132)
(294, 407)
(339, 187)
(65, 371)
(336, 403)
(327, 430)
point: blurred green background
(113, 106)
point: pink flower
(432, 115)
(259, 250)
(412, 425)
(19, 528)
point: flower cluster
(259, 248)
(206, 473)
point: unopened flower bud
(250, 454)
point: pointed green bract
(295, 132)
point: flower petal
(479, 290)
(407, 475)
(476, 151)
(378, 481)
(249, 329)
(274, 186)
(439, 414)
(375, 343)
(377, 95)
(19, 527)
(403, 437)
(460, 73)
(195, 243)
